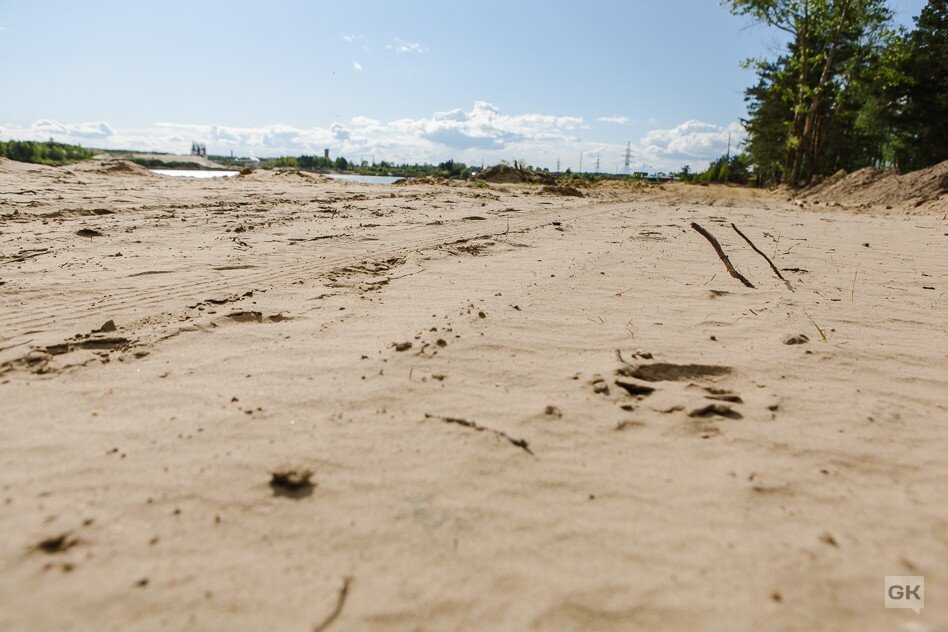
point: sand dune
(285, 402)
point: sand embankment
(925, 189)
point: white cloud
(405, 46)
(618, 120)
(364, 121)
(357, 66)
(340, 132)
(483, 132)
(80, 130)
(691, 141)
(348, 38)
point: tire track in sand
(65, 313)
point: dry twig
(717, 248)
(520, 443)
(761, 253)
(340, 601)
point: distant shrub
(44, 153)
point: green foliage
(848, 91)
(919, 94)
(285, 162)
(45, 153)
(822, 105)
(305, 162)
(589, 178)
(448, 169)
(454, 169)
(737, 170)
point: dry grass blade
(818, 328)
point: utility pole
(557, 164)
(580, 162)
(628, 157)
(727, 161)
(597, 164)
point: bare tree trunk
(803, 34)
(814, 147)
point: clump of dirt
(246, 171)
(58, 543)
(505, 174)
(883, 187)
(562, 190)
(292, 482)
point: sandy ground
(594, 426)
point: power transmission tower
(580, 162)
(557, 164)
(628, 157)
(597, 164)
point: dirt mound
(114, 168)
(425, 180)
(15, 166)
(259, 174)
(562, 190)
(504, 174)
(882, 187)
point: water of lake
(199, 173)
(364, 179)
(195, 173)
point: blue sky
(405, 80)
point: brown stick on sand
(717, 248)
(758, 251)
(340, 602)
(520, 443)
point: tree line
(448, 169)
(848, 91)
(45, 153)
